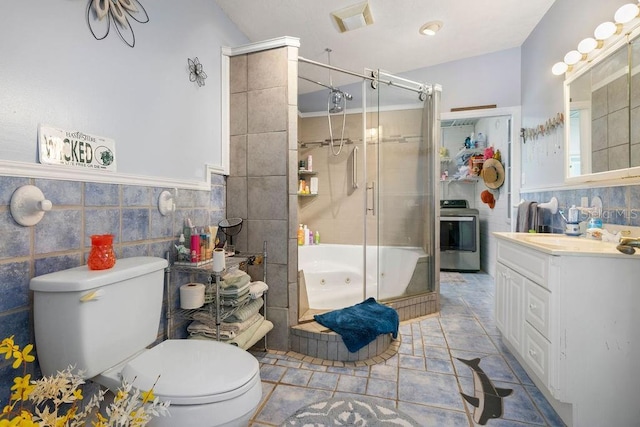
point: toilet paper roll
(218, 260)
(192, 295)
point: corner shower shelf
(304, 172)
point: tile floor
(424, 380)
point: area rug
(348, 411)
(451, 277)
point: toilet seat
(193, 372)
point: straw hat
(493, 173)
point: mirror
(602, 107)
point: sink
(567, 243)
(560, 244)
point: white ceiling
(392, 43)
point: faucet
(627, 245)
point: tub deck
(311, 342)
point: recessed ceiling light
(431, 28)
(353, 17)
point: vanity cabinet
(509, 303)
(571, 320)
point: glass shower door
(401, 186)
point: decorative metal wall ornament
(101, 13)
(196, 72)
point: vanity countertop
(560, 244)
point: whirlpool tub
(332, 274)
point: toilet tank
(94, 319)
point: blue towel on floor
(361, 323)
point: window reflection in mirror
(580, 127)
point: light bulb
(605, 30)
(559, 68)
(587, 45)
(572, 57)
(626, 13)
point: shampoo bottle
(305, 238)
(300, 236)
(195, 247)
(316, 238)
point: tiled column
(262, 135)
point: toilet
(101, 322)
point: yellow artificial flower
(121, 395)
(8, 347)
(26, 419)
(22, 387)
(147, 396)
(101, 421)
(23, 356)
(64, 420)
(49, 394)
(22, 420)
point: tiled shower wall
(261, 189)
(61, 239)
(337, 211)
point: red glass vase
(101, 256)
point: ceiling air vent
(353, 17)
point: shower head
(338, 100)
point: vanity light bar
(628, 13)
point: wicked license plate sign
(76, 149)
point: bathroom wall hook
(551, 205)
(28, 205)
(166, 204)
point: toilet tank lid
(81, 278)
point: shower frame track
(373, 78)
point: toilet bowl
(207, 383)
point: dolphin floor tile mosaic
(433, 376)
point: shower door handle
(371, 209)
(354, 168)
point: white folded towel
(209, 320)
(257, 289)
(197, 328)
